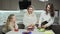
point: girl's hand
(15, 29)
(31, 25)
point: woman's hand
(43, 26)
(39, 27)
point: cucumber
(41, 30)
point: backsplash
(19, 15)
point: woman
(10, 24)
(29, 17)
(47, 17)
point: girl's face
(30, 10)
(48, 8)
(13, 19)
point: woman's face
(13, 19)
(30, 10)
(48, 8)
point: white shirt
(29, 19)
(48, 18)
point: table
(22, 30)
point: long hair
(8, 20)
(51, 9)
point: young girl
(10, 24)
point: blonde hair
(30, 6)
(8, 20)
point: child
(10, 24)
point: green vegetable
(48, 32)
(41, 30)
